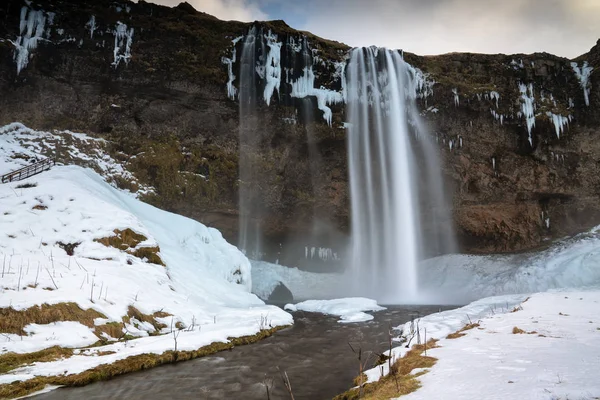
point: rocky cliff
(516, 133)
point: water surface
(314, 352)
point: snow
(460, 278)
(556, 358)
(123, 41)
(272, 67)
(21, 145)
(527, 107)
(305, 86)
(583, 74)
(205, 284)
(350, 309)
(39, 337)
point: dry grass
(400, 381)
(13, 321)
(122, 239)
(120, 367)
(127, 240)
(10, 361)
(133, 312)
(39, 207)
(460, 333)
(518, 331)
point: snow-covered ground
(348, 309)
(548, 347)
(205, 283)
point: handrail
(28, 171)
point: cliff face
(157, 82)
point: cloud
(239, 10)
(563, 27)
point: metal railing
(28, 171)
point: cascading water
(383, 136)
(249, 139)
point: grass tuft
(400, 381)
(460, 333)
(13, 321)
(128, 240)
(10, 361)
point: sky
(566, 28)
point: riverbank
(539, 346)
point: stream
(314, 352)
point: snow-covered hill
(68, 236)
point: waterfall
(387, 186)
(249, 139)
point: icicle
(583, 74)
(527, 107)
(304, 87)
(494, 163)
(272, 67)
(231, 90)
(456, 98)
(123, 41)
(32, 26)
(495, 96)
(559, 122)
(91, 25)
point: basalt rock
(156, 81)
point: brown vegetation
(130, 364)
(460, 333)
(13, 321)
(399, 381)
(128, 240)
(10, 361)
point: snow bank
(348, 309)
(458, 279)
(204, 285)
(555, 357)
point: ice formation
(456, 98)
(305, 86)
(527, 107)
(322, 253)
(31, 31)
(559, 121)
(583, 74)
(495, 96)
(231, 90)
(272, 67)
(123, 41)
(419, 83)
(91, 25)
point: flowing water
(314, 352)
(387, 189)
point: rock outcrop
(516, 133)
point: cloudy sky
(564, 27)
